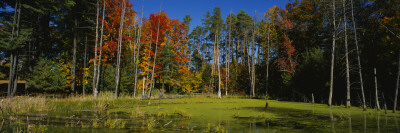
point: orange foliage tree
(169, 31)
(113, 9)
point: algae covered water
(202, 115)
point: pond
(208, 115)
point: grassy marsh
(198, 114)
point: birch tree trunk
(74, 59)
(358, 56)
(155, 55)
(137, 57)
(347, 55)
(397, 87)
(84, 70)
(94, 81)
(101, 50)
(121, 27)
(144, 79)
(213, 65)
(219, 71)
(333, 52)
(267, 60)
(226, 66)
(376, 91)
(148, 60)
(228, 55)
(253, 78)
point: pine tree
(168, 64)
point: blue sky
(177, 9)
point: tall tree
(73, 85)
(95, 53)
(333, 52)
(253, 74)
(397, 87)
(95, 92)
(358, 55)
(187, 20)
(155, 54)
(138, 41)
(376, 92)
(168, 65)
(13, 39)
(121, 27)
(84, 68)
(216, 25)
(347, 55)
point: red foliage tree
(286, 61)
(112, 23)
(169, 31)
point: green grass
(197, 114)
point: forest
(338, 55)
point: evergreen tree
(168, 65)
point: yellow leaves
(86, 72)
(66, 70)
(271, 14)
(140, 84)
(191, 82)
(165, 41)
(387, 19)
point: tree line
(337, 52)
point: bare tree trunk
(237, 52)
(148, 60)
(144, 79)
(138, 45)
(312, 96)
(12, 57)
(384, 102)
(84, 68)
(133, 56)
(121, 27)
(14, 20)
(376, 91)
(253, 74)
(228, 55)
(15, 61)
(213, 64)
(333, 52)
(247, 49)
(15, 72)
(15, 80)
(226, 66)
(347, 55)
(219, 71)
(101, 51)
(397, 87)
(155, 54)
(358, 56)
(11, 76)
(74, 59)
(267, 60)
(94, 82)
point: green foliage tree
(169, 65)
(47, 76)
(197, 61)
